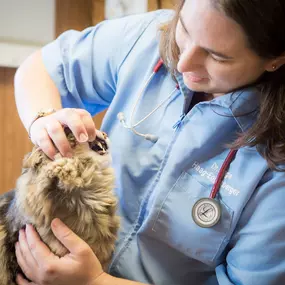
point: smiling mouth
(194, 78)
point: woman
(169, 145)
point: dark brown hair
(263, 23)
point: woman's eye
(218, 59)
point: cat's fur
(77, 190)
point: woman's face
(214, 53)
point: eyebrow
(219, 54)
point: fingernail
(55, 223)
(20, 233)
(83, 138)
(29, 227)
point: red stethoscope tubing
(222, 172)
(158, 65)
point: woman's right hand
(48, 133)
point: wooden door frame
(78, 15)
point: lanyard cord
(222, 172)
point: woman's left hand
(40, 265)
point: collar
(243, 104)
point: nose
(190, 59)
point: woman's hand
(40, 265)
(47, 132)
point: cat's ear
(67, 171)
(35, 159)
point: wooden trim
(78, 15)
(153, 5)
(14, 141)
(161, 4)
(72, 14)
(98, 11)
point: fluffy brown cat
(77, 190)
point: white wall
(120, 8)
(25, 26)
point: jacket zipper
(178, 123)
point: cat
(78, 190)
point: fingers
(33, 256)
(89, 124)
(48, 132)
(69, 239)
(20, 259)
(24, 256)
(21, 281)
(45, 143)
(37, 248)
(55, 131)
(71, 118)
(79, 121)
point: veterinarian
(193, 209)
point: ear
(68, 171)
(274, 64)
(35, 159)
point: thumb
(67, 237)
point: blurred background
(25, 26)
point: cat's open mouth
(99, 145)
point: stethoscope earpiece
(151, 138)
(121, 116)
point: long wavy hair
(263, 23)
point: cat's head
(89, 167)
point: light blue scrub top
(158, 183)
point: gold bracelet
(40, 114)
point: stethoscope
(132, 126)
(206, 212)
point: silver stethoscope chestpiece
(206, 212)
